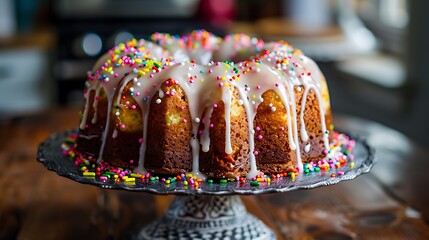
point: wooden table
(392, 202)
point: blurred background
(373, 52)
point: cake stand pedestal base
(207, 217)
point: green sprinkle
(152, 179)
(106, 175)
(255, 183)
(223, 181)
(210, 181)
(173, 179)
(306, 170)
(110, 173)
(231, 179)
(317, 169)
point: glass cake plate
(213, 210)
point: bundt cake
(198, 103)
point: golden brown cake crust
(169, 131)
(273, 153)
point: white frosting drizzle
(204, 85)
(205, 137)
(226, 98)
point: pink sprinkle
(340, 173)
(116, 75)
(258, 128)
(147, 175)
(184, 120)
(138, 94)
(211, 125)
(259, 137)
(210, 70)
(277, 84)
(282, 128)
(140, 140)
(131, 161)
(103, 178)
(215, 105)
(122, 126)
(201, 132)
(256, 153)
(127, 103)
(133, 107)
(258, 87)
(182, 107)
(220, 84)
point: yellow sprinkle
(253, 96)
(131, 179)
(137, 60)
(89, 174)
(352, 164)
(115, 176)
(120, 61)
(202, 79)
(109, 61)
(146, 69)
(83, 168)
(185, 183)
(124, 177)
(188, 175)
(196, 184)
(260, 179)
(140, 72)
(135, 175)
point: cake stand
(213, 210)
